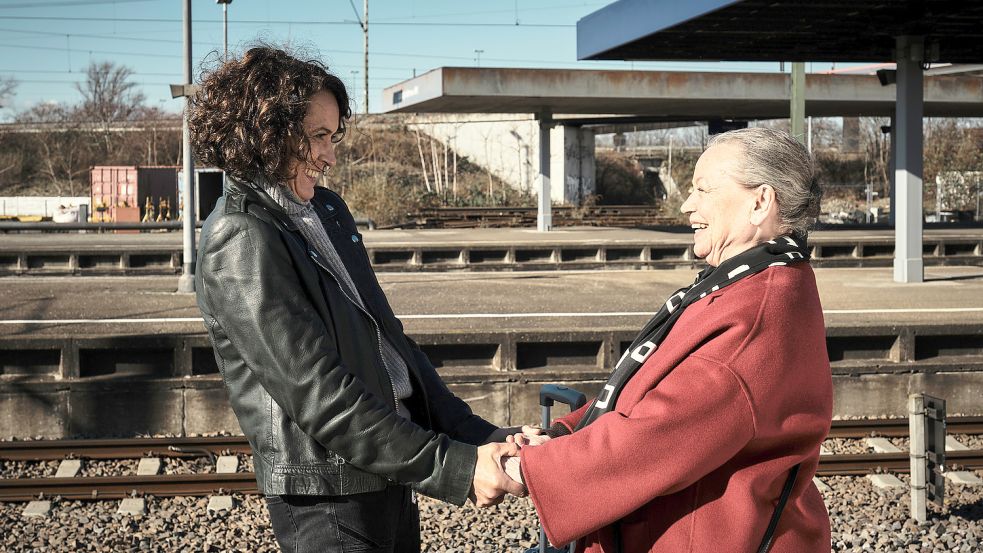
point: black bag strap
(786, 491)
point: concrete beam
(673, 96)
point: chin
(304, 189)
(306, 194)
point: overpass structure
(913, 33)
(600, 98)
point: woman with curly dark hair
(345, 415)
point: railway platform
(488, 249)
(117, 356)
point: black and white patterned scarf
(780, 251)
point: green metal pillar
(797, 112)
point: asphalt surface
(33, 307)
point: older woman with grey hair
(706, 436)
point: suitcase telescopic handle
(554, 392)
(549, 394)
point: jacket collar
(254, 193)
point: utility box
(120, 192)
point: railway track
(491, 217)
(51, 450)
(48, 450)
(897, 428)
(118, 487)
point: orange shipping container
(129, 186)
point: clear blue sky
(46, 44)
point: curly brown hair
(247, 118)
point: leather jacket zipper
(378, 331)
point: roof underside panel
(785, 30)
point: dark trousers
(387, 521)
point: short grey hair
(775, 158)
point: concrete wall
(44, 206)
(125, 385)
(507, 145)
(199, 405)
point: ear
(764, 205)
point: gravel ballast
(862, 517)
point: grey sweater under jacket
(303, 215)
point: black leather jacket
(303, 366)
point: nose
(328, 156)
(687, 206)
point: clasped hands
(497, 471)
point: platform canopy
(668, 96)
(772, 30)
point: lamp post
(225, 24)
(186, 283)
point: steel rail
(46, 450)
(897, 428)
(866, 463)
(118, 487)
(134, 448)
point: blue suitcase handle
(554, 392)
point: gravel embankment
(863, 518)
(122, 467)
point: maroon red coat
(695, 454)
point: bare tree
(7, 88)
(8, 85)
(62, 151)
(953, 162)
(108, 96)
(107, 93)
(876, 145)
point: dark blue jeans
(387, 521)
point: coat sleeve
(251, 291)
(691, 423)
(572, 419)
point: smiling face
(321, 125)
(727, 217)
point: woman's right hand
(490, 482)
(530, 436)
